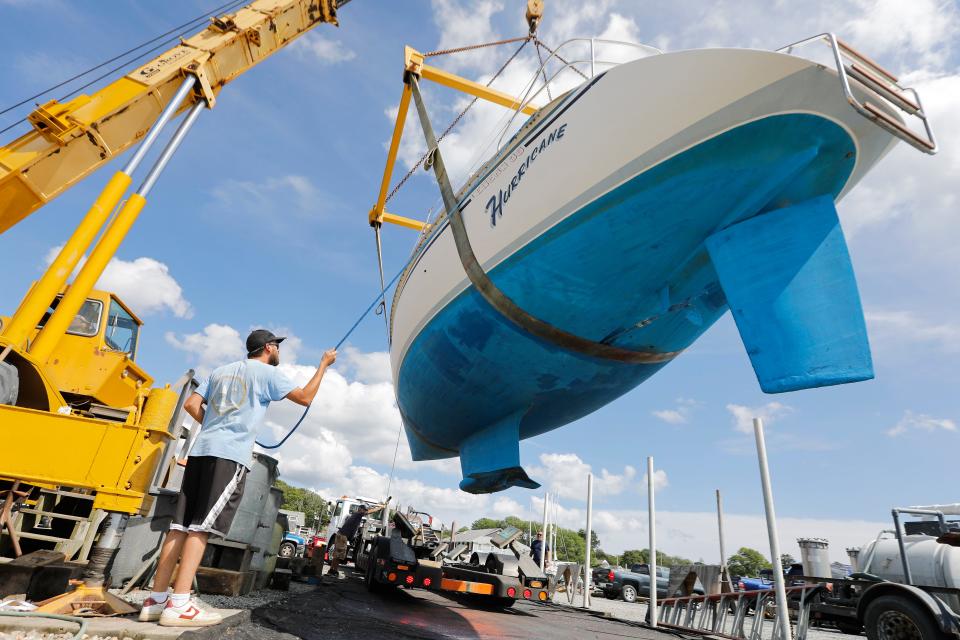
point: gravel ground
(637, 612)
(254, 600)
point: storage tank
(854, 553)
(815, 556)
(931, 563)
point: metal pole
(555, 503)
(543, 546)
(652, 564)
(161, 122)
(587, 574)
(593, 67)
(783, 614)
(907, 578)
(453, 530)
(724, 573)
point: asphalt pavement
(345, 610)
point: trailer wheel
(898, 618)
(628, 593)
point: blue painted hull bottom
(632, 268)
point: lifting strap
(491, 293)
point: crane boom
(70, 140)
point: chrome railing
(875, 81)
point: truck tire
(628, 593)
(899, 618)
(287, 549)
(503, 603)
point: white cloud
(368, 367)
(893, 329)
(659, 480)
(743, 416)
(919, 31)
(275, 200)
(678, 415)
(317, 47)
(217, 344)
(566, 473)
(144, 284)
(920, 422)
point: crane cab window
(122, 330)
(87, 321)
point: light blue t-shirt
(237, 396)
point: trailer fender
(941, 613)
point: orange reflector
(536, 584)
(402, 567)
(543, 596)
(466, 587)
(391, 576)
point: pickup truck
(621, 583)
(292, 545)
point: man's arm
(194, 406)
(304, 395)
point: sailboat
(621, 221)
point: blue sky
(260, 220)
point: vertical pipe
(652, 563)
(38, 299)
(553, 530)
(107, 246)
(907, 578)
(724, 574)
(453, 530)
(783, 614)
(593, 64)
(543, 546)
(587, 573)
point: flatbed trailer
(406, 558)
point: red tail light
(408, 579)
(742, 586)
(511, 592)
(610, 576)
(427, 582)
(527, 593)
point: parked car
(291, 546)
(621, 583)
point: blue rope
(339, 344)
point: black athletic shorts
(209, 496)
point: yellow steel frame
(414, 66)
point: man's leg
(190, 557)
(169, 554)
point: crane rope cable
(187, 24)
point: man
(537, 549)
(337, 548)
(236, 397)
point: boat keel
(790, 285)
(490, 459)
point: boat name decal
(496, 202)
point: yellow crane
(75, 408)
(78, 410)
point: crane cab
(94, 365)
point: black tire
(287, 550)
(372, 585)
(628, 593)
(503, 603)
(849, 627)
(900, 618)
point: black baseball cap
(259, 338)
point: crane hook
(534, 14)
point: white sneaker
(151, 610)
(189, 615)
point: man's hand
(329, 357)
(305, 395)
